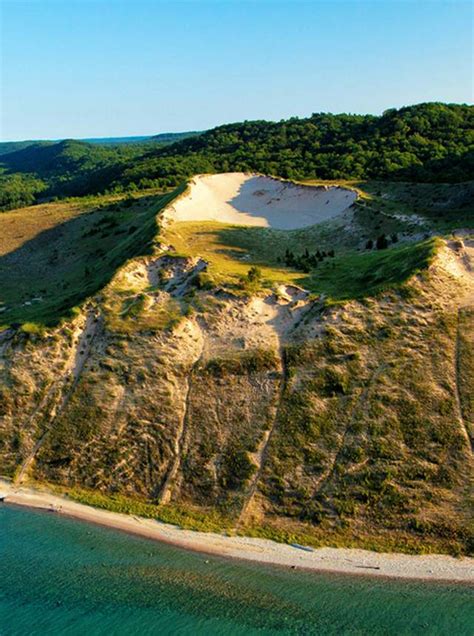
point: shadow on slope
(347, 275)
(44, 278)
(286, 205)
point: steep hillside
(68, 167)
(213, 385)
(7, 147)
(54, 256)
(34, 171)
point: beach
(429, 567)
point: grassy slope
(55, 256)
(465, 367)
(377, 452)
(445, 206)
(377, 482)
(439, 206)
(374, 395)
(232, 250)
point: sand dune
(246, 199)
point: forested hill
(6, 147)
(426, 143)
(66, 168)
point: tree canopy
(430, 142)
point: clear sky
(93, 68)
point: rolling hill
(35, 171)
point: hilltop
(66, 168)
(7, 147)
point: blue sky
(85, 68)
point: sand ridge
(251, 199)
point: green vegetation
(193, 518)
(210, 240)
(427, 142)
(238, 468)
(6, 147)
(254, 361)
(465, 367)
(440, 206)
(69, 168)
(56, 266)
(128, 314)
(424, 143)
(185, 517)
(356, 275)
(369, 449)
(347, 274)
(19, 190)
(383, 541)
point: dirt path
(165, 494)
(466, 426)
(285, 321)
(265, 444)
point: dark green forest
(44, 170)
(431, 143)
(66, 168)
(428, 142)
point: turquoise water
(61, 576)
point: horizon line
(177, 132)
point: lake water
(61, 576)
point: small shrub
(238, 468)
(335, 382)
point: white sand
(342, 560)
(246, 199)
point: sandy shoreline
(335, 560)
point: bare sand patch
(249, 199)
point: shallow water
(62, 576)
